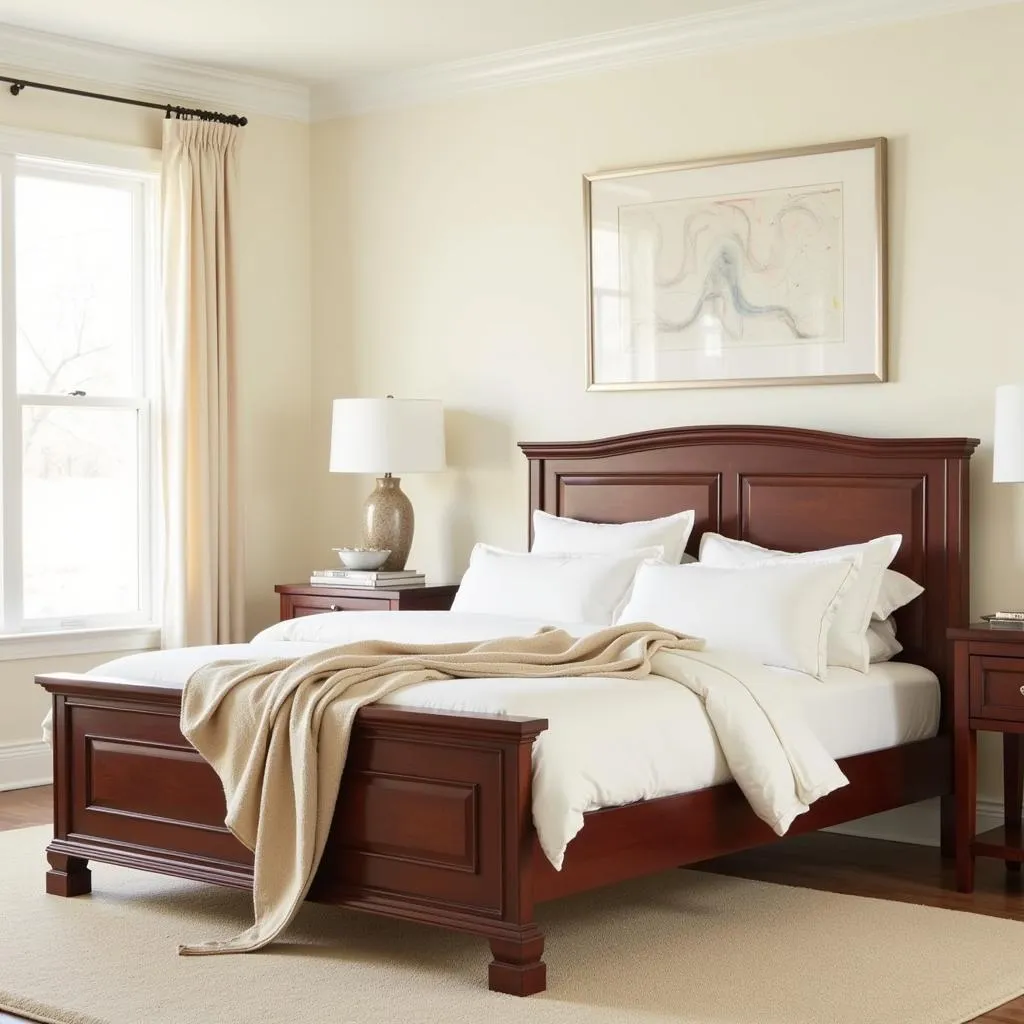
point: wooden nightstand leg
(965, 769)
(1013, 790)
(947, 827)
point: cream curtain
(202, 535)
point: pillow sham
(847, 641)
(557, 534)
(778, 614)
(897, 590)
(882, 642)
(556, 587)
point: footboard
(433, 821)
(129, 789)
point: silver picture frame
(759, 269)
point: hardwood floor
(23, 807)
(860, 867)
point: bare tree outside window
(79, 298)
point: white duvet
(706, 717)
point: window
(77, 282)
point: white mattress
(854, 712)
(609, 741)
(850, 712)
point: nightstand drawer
(300, 599)
(306, 604)
(997, 688)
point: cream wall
(338, 496)
(274, 357)
(459, 230)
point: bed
(434, 820)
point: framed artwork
(768, 268)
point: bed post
(958, 611)
(517, 968)
(68, 875)
(466, 858)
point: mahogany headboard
(797, 490)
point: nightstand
(988, 695)
(306, 599)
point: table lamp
(1008, 446)
(1008, 451)
(387, 435)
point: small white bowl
(362, 558)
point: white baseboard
(25, 764)
(917, 823)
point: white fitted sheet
(856, 712)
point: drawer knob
(334, 608)
(1022, 691)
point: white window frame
(85, 161)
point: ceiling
(317, 41)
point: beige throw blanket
(277, 734)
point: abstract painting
(763, 269)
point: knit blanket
(277, 734)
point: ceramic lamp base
(388, 521)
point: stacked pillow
(556, 534)
(801, 611)
(575, 572)
(864, 631)
(782, 620)
(847, 640)
(779, 615)
(567, 587)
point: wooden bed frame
(433, 822)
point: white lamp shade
(1008, 453)
(387, 435)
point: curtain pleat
(202, 534)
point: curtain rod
(18, 84)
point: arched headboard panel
(797, 490)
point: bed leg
(517, 968)
(68, 876)
(947, 827)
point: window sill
(59, 643)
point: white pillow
(882, 642)
(847, 641)
(897, 590)
(557, 588)
(778, 614)
(554, 534)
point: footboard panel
(433, 820)
(129, 789)
(142, 784)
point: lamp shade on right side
(1008, 447)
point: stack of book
(1006, 620)
(401, 580)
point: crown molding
(743, 25)
(94, 64)
(97, 65)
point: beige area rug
(682, 946)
